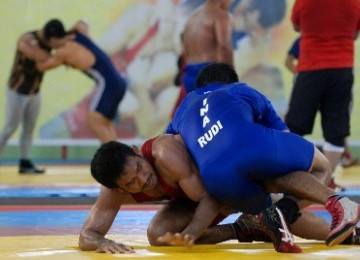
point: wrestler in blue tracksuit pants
(237, 141)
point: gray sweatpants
(20, 108)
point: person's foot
(353, 239)
(274, 222)
(345, 215)
(248, 229)
(336, 187)
(348, 162)
(27, 167)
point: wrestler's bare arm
(223, 29)
(81, 26)
(58, 58)
(290, 63)
(99, 221)
(29, 46)
(178, 163)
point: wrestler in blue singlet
(236, 140)
(110, 85)
(191, 71)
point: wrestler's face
(138, 175)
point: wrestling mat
(41, 217)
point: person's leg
(13, 114)
(310, 226)
(175, 216)
(30, 116)
(304, 104)
(347, 159)
(335, 113)
(345, 213)
(101, 126)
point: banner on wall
(143, 41)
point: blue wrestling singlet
(237, 142)
(111, 86)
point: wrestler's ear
(137, 150)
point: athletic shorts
(109, 91)
(327, 91)
(191, 71)
(257, 154)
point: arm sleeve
(295, 14)
(295, 48)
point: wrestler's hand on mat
(177, 239)
(111, 247)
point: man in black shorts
(325, 78)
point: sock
(289, 208)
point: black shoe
(30, 170)
(274, 222)
(354, 238)
(248, 229)
(27, 167)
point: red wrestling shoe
(345, 215)
(274, 222)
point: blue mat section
(63, 218)
(72, 218)
(31, 192)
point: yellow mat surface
(80, 174)
(64, 247)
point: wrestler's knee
(154, 231)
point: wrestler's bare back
(207, 36)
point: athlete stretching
(77, 50)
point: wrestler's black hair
(271, 12)
(216, 72)
(54, 29)
(109, 161)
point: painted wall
(118, 27)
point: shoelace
(356, 236)
(255, 231)
(336, 217)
